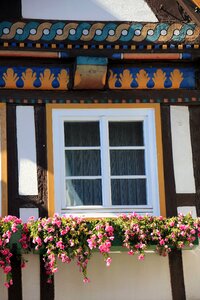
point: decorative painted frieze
(151, 78)
(100, 32)
(92, 74)
(40, 78)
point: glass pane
(127, 162)
(126, 133)
(81, 134)
(83, 192)
(82, 163)
(128, 191)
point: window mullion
(105, 162)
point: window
(105, 161)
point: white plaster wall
(188, 209)
(126, 278)
(26, 213)
(181, 149)
(191, 269)
(3, 289)
(31, 278)
(191, 263)
(95, 10)
(26, 148)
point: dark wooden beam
(15, 290)
(41, 151)
(164, 96)
(13, 207)
(186, 199)
(176, 274)
(171, 205)
(46, 289)
(175, 257)
(189, 7)
(10, 9)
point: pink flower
(109, 229)
(38, 241)
(105, 247)
(30, 219)
(86, 280)
(65, 258)
(60, 245)
(5, 252)
(71, 242)
(6, 284)
(14, 228)
(162, 242)
(65, 231)
(108, 261)
(91, 243)
(141, 257)
(183, 227)
(54, 270)
(7, 269)
(11, 282)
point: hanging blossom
(9, 226)
(73, 238)
(102, 236)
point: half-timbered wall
(27, 156)
(100, 56)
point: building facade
(100, 115)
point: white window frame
(147, 115)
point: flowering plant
(9, 226)
(69, 238)
(138, 232)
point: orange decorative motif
(112, 80)
(63, 79)
(176, 79)
(126, 79)
(159, 79)
(28, 78)
(142, 79)
(46, 79)
(10, 78)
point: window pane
(127, 162)
(82, 163)
(126, 133)
(128, 191)
(81, 134)
(83, 192)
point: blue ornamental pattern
(99, 32)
